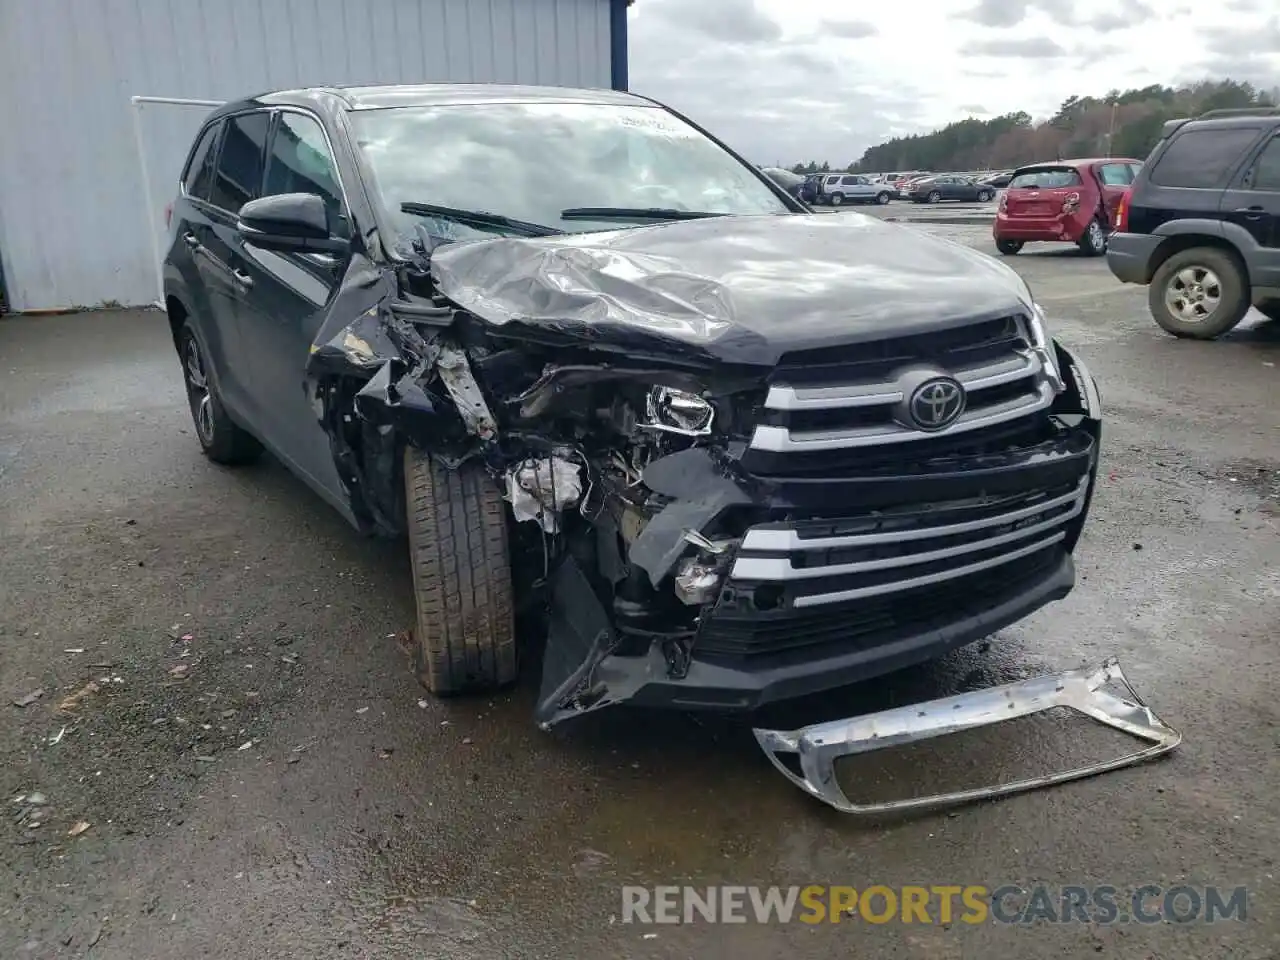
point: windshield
(531, 161)
(1045, 178)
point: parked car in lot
(949, 187)
(838, 189)
(904, 182)
(599, 370)
(1201, 223)
(1073, 201)
(788, 181)
(811, 187)
(997, 180)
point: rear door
(287, 296)
(236, 180)
(1252, 201)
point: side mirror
(291, 222)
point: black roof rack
(1240, 112)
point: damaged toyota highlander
(707, 448)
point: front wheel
(222, 440)
(1009, 248)
(837, 199)
(935, 196)
(882, 198)
(466, 638)
(1198, 293)
(984, 196)
(1094, 239)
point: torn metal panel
(818, 747)
(455, 374)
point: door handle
(1254, 212)
(191, 240)
(242, 278)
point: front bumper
(841, 579)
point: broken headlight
(1042, 347)
(678, 411)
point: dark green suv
(1201, 223)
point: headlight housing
(1042, 347)
(678, 411)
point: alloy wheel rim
(1193, 294)
(198, 391)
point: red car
(1067, 200)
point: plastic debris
(180, 670)
(28, 699)
(57, 737)
(362, 710)
(246, 745)
(79, 827)
(71, 701)
(73, 650)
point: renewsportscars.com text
(939, 904)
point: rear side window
(1201, 158)
(199, 172)
(1266, 169)
(239, 174)
(1045, 178)
(1116, 174)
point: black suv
(615, 385)
(1201, 223)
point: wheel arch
(1186, 241)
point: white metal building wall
(73, 231)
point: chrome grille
(821, 562)
(841, 403)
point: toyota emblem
(937, 403)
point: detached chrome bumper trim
(819, 746)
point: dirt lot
(262, 778)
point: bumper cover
(818, 747)
(837, 579)
(1129, 256)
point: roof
(446, 94)
(1077, 162)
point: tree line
(1124, 123)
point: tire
(466, 637)
(882, 198)
(836, 199)
(1010, 248)
(1213, 274)
(935, 197)
(221, 439)
(1094, 240)
(984, 196)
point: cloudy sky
(786, 81)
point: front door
(288, 297)
(1253, 201)
(1113, 179)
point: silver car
(841, 188)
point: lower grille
(865, 624)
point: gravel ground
(262, 778)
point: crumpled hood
(741, 289)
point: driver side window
(301, 162)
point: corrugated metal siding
(73, 230)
